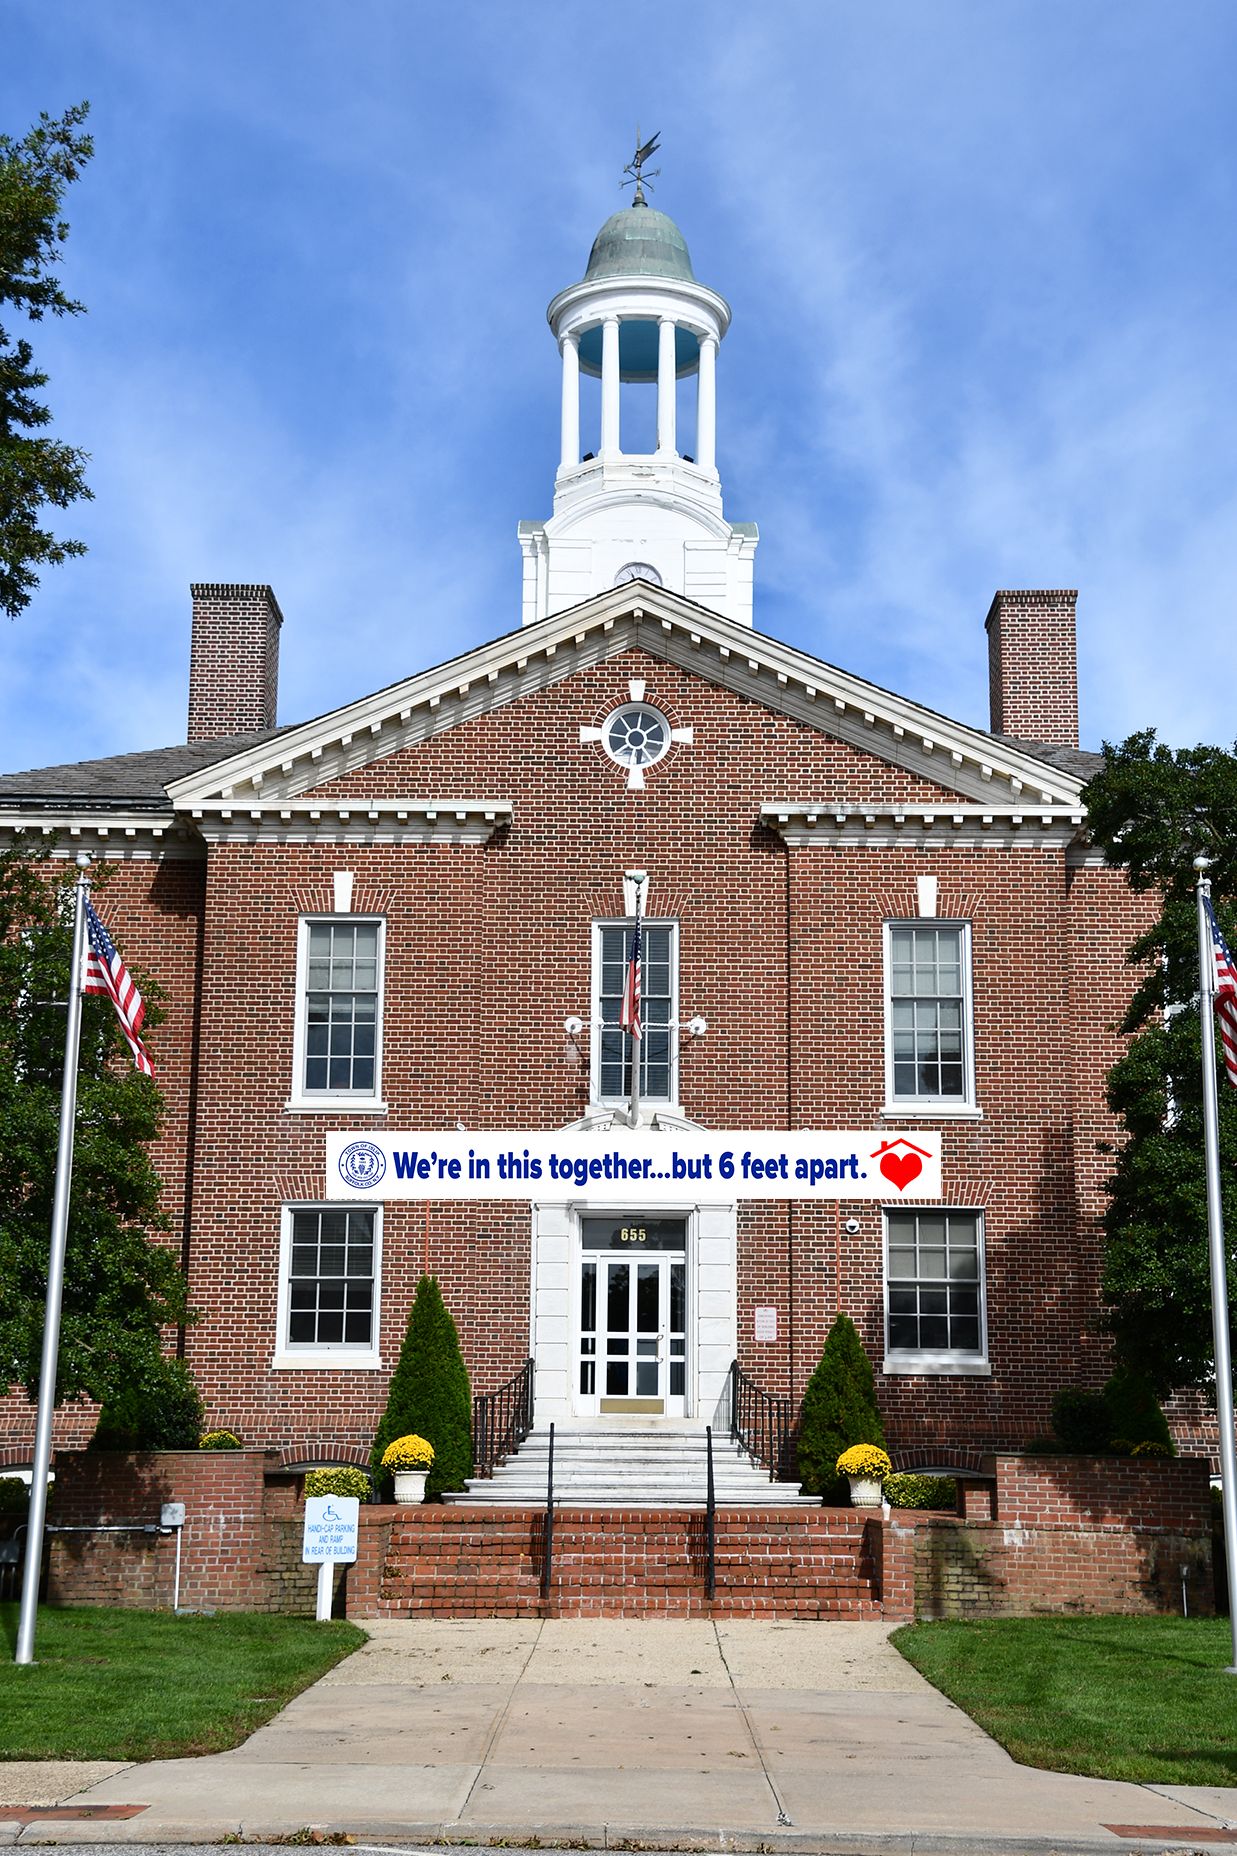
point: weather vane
(635, 167)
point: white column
(665, 387)
(610, 387)
(571, 401)
(706, 413)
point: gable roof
(984, 767)
(139, 780)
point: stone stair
(658, 1464)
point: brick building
(415, 913)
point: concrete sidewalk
(749, 1735)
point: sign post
(331, 1526)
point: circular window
(636, 735)
(637, 570)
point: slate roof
(139, 780)
(1080, 762)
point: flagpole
(55, 1278)
(1215, 1244)
(633, 1108)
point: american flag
(107, 973)
(1225, 992)
(629, 1012)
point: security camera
(851, 1226)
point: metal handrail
(547, 1547)
(501, 1420)
(710, 1518)
(762, 1424)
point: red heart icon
(901, 1168)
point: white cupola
(639, 319)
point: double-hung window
(934, 1292)
(929, 1047)
(338, 1056)
(614, 1048)
(328, 1287)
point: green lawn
(148, 1685)
(1114, 1698)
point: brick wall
(1033, 666)
(1071, 1534)
(233, 660)
(240, 1546)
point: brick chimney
(1033, 666)
(233, 660)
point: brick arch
(311, 1455)
(15, 1457)
(947, 1462)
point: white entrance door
(633, 1327)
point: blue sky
(982, 266)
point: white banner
(607, 1165)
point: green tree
(1152, 810)
(839, 1409)
(35, 470)
(430, 1395)
(121, 1289)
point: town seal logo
(362, 1165)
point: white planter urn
(410, 1485)
(864, 1493)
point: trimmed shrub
(1081, 1421)
(219, 1440)
(839, 1409)
(160, 1409)
(1151, 1446)
(430, 1395)
(1135, 1412)
(909, 1491)
(340, 1480)
(14, 1495)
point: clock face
(637, 735)
(637, 570)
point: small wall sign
(766, 1324)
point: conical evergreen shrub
(839, 1409)
(430, 1395)
(1135, 1412)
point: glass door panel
(632, 1335)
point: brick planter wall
(240, 1547)
(1083, 1534)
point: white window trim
(668, 1104)
(352, 1103)
(940, 1365)
(315, 1357)
(942, 1108)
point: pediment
(978, 767)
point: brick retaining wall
(1067, 1534)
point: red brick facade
(780, 947)
(233, 661)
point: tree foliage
(430, 1395)
(1153, 810)
(120, 1288)
(839, 1409)
(35, 470)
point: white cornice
(116, 836)
(355, 821)
(962, 760)
(922, 827)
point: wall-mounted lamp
(572, 1054)
(697, 1026)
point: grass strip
(1138, 1698)
(149, 1685)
